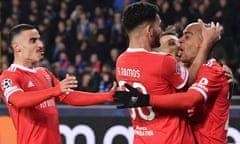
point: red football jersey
(210, 122)
(158, 74)
(38, 124)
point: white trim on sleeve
(11, 90)
(185, 76)
(201, 91)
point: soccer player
(154, 73)
(169, 42)
(31, 92)
(209, 94)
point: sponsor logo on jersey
(30, 84)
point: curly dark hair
(137, 13)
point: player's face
(154, 39)
(171, 44)
(30, 46)
(189, 44)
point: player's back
(210, 121)
(153, 73)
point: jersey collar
(136, 50)
(24, 68)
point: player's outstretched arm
(80, 98)
(133, 98)
(182, 100)
(22, 99)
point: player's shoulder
(11, 70)
(212, 70)
(163, 59)
(9, 74)
(142, 51)
(213, 65)
(159, 53)
(166, 58)
(160, 56)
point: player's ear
(150, 30)
(16, 47)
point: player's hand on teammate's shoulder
(228, 73)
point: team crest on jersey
(178, 68)
(6, 83)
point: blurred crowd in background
(85, 37)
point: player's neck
(139, 39)
(139, 44)
(26, 64)
(187, 65)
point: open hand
(68, 84)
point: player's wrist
(152, 100)
(56, 91)
(108, 97)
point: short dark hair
(17, 29)
(137, 13)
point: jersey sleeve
(14, 92)
(209, 82)
(10, 83)
(176, 74)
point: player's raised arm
(134, 98)
(209, 36)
